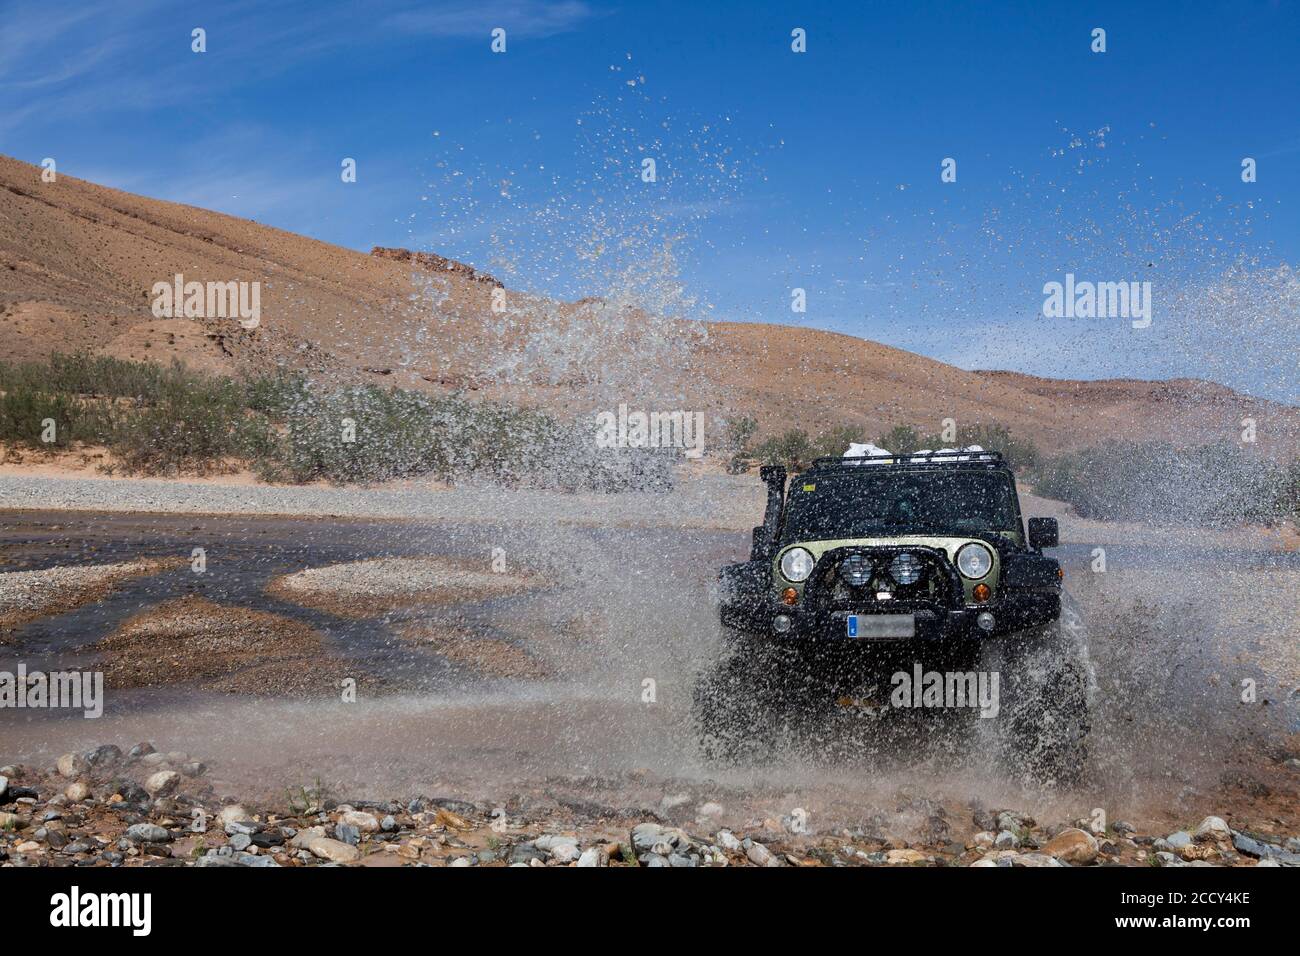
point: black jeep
(913, 565)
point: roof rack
(932, 458)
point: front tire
(744, 704)
(1045, 680)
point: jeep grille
(867, 580)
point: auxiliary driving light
(985, 621)
(905, 569)
(980, 592)
(855, 570)
(781, 623)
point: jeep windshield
(880, 501)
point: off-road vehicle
(882, 565)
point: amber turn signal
(789, 596)
(980, 593)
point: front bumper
(1011, 613)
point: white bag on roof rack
(865, 449)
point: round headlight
(905, 569)
(856, 570)
(974, 560)
(796, 565)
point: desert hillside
(78, 262)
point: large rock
(565, 852)
(561, 847)
(77, 791)
(760, 855)
(594, 856)
(215, 858)
(161, 783)
(232, 813)
(647, 836)
(71, 766)
(365, 822)
(1258, 848)
(333, 850)
(105, 756)
(526, 854)
(303, 838)
(1073, 846)
(147, 833)
(1212, 828)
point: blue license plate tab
(876, 626)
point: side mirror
(1043, 533)
(758, 549)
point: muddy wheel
(1045, 679)
(740, 708)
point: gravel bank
(707, 502)
(107, 808)
(230, 650)
(25, 595)
(713, 502)
(377, 586)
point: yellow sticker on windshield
(809, 487)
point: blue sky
(775, 169)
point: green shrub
(276, 393)
(794, 449)
(24, 412)
(86, 375)
(835, 441)
(901, 439)
(168, 420)
(192, 424)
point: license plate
(881, 625)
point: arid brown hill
(78, 263)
